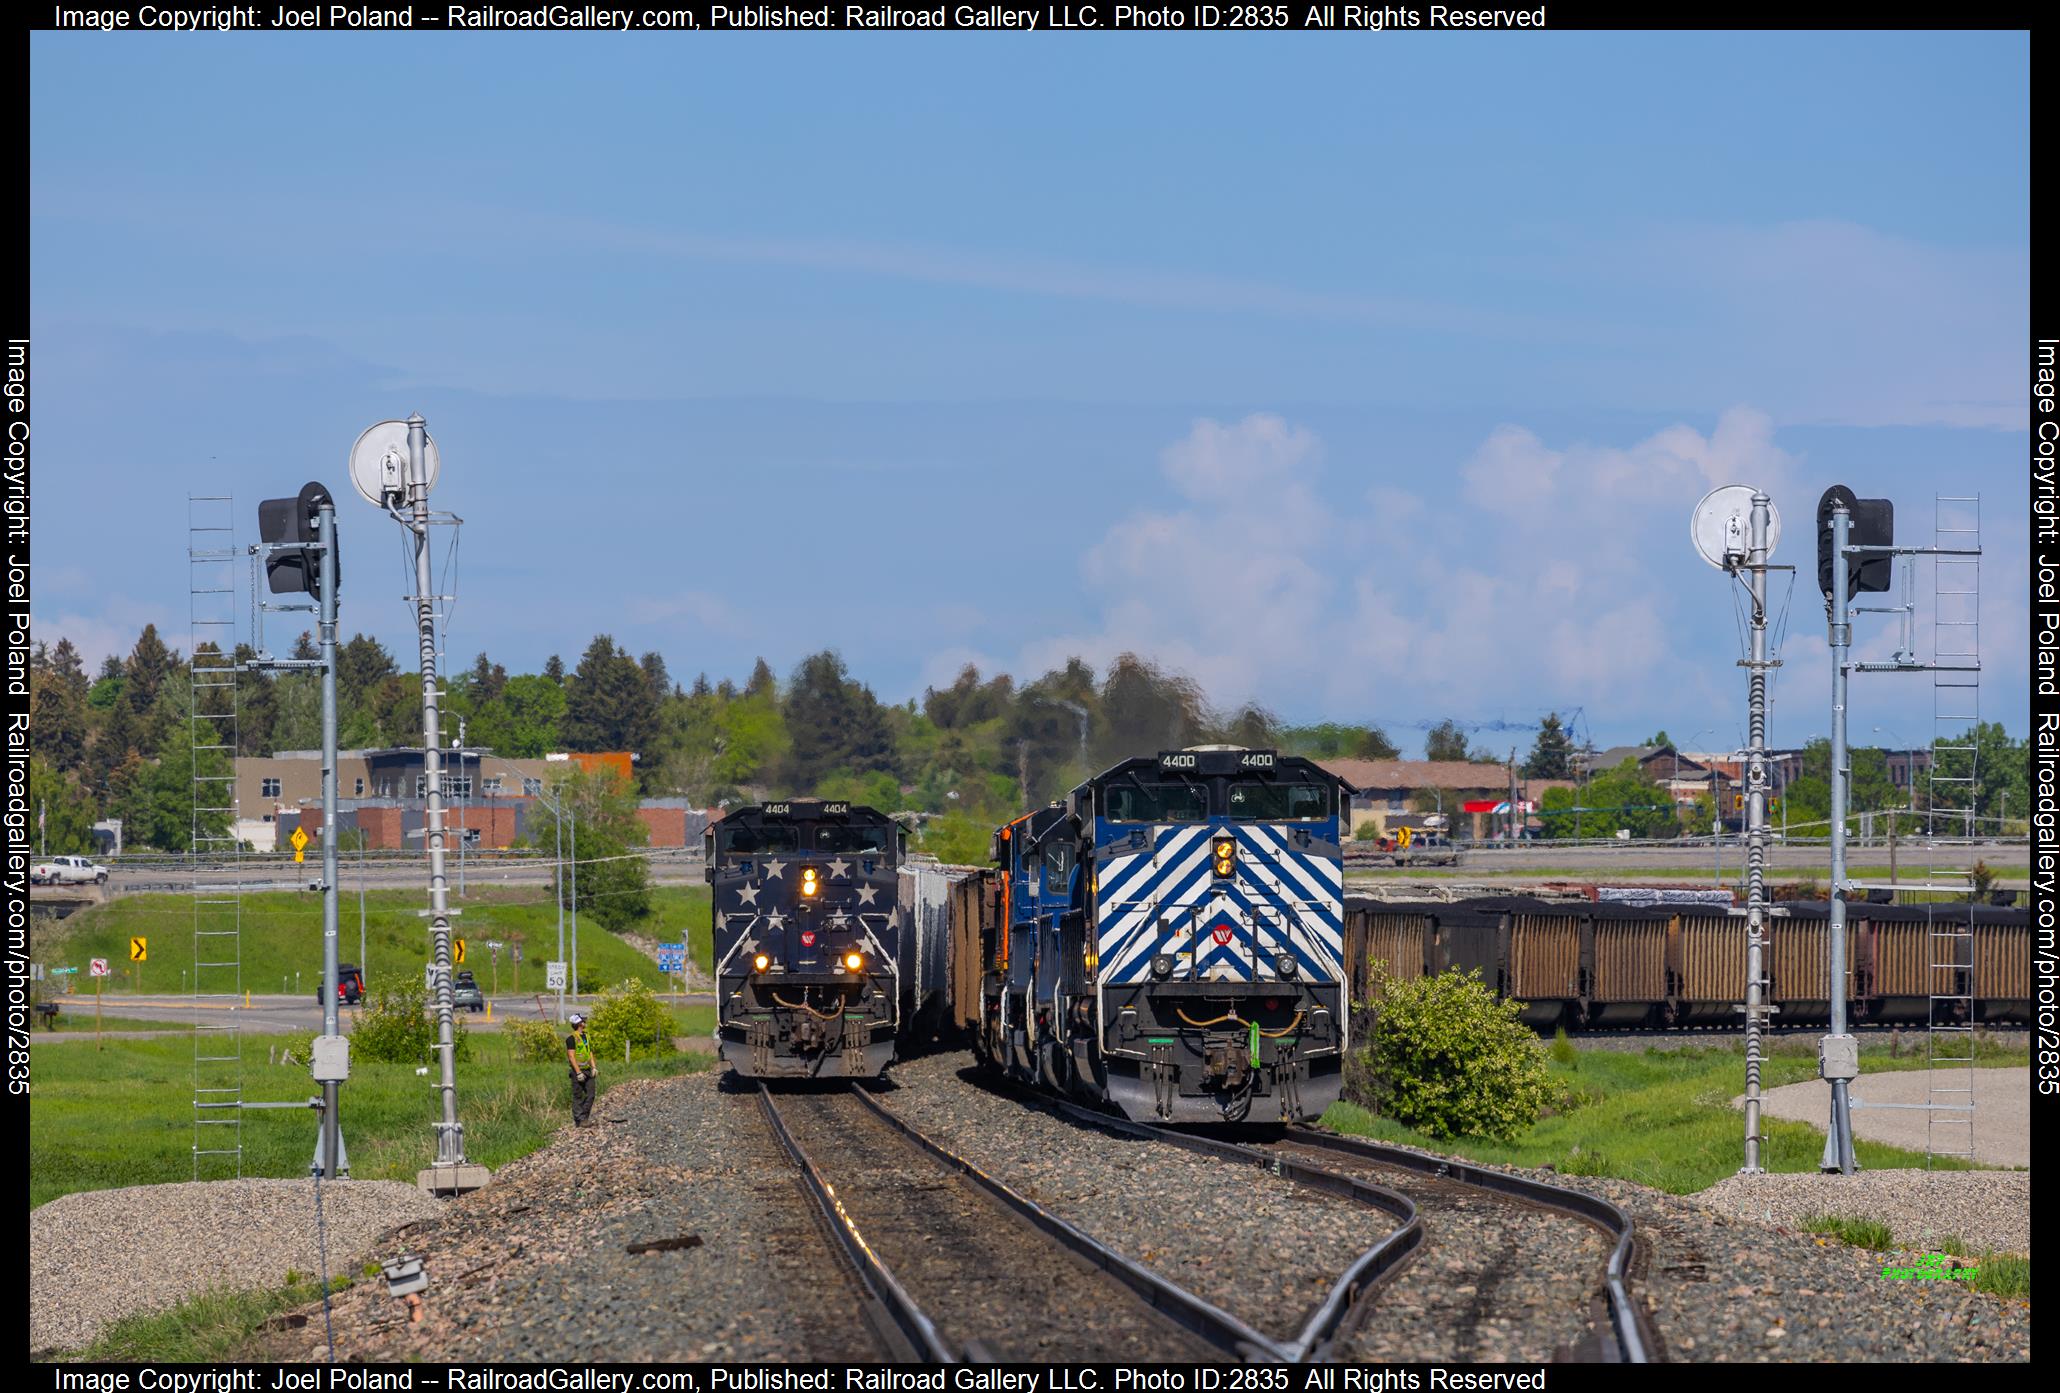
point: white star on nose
(773, 868)
(866, 893)
(748, 894)
(840, 868)
(773, 920)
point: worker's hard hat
(577, 1019)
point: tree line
(129, 740)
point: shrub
(629, 1012)
(1366, 832)
(1563, 1052)
(395, 1026)
(1857, 1233)
(536, 1042)
(1448, 1059)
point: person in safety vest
(579, 1053)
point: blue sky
(1366, 376)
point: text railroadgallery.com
(809, 1378)
(1095, 14)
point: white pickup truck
(67, 870)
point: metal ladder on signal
(1952, 810)
(217, 981)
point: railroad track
(1436, 1185)
(1452, 1195)
(947, 1264)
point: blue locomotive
(807, 931)
(1170, 938)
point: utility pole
(329, 1161)
(394, 465)
(1755, 825)
(1734, 528)
(1838, 1137)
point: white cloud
(1563, 580)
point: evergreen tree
(67, 667)
(701, 687)
(833, 723)
(1145, 710)
(656, 675)
(761, 683)
(257, 706)
(1552, 755)
(57, 721)
(1446, 741)
(554, 669)
(1252, 727)
(608, 702)
(149, 663)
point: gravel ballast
(1718, 1288)
(100, 1255)
(1985, 1210)
(1260, 1247)
(537, 1265)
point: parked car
(350, 985)
(465, 993)
(67, 870)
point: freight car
(1585, 964)
(1168, 939)
(809, 939)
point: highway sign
(554, 976)
(671, 962)
(458, 951)
(100, 967)
(299, 839)
(139, 950)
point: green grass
(123, 1115)
(77, 1015)
(1870, 1234)
(1663, 1117)
(210, 1328)
(281, 935)
(2003, 1274)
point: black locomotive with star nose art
(807, 938)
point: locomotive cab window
(837, 836)
(752, 841)
(1281, 802)
(1157, 803)
(1058, 867)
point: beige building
(1388, 787)
(275, 786)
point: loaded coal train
(1173, 938)
(1585, 965)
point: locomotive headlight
(854, 961)
(1286, 965)
(1162, 966)
(761, 962)
(808, 881)
(1226, 859)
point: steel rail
(1180, 1306)
(890, 1309)
(1313, 1341)
(1632, 1346)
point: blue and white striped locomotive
(807, 938)
(1170, 938)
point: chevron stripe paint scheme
(1161, 898)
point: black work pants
(582, 1096)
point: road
(286, 1015)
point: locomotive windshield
(745, 840)
(1282, 802)
(838, 836)
(1158, 803)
